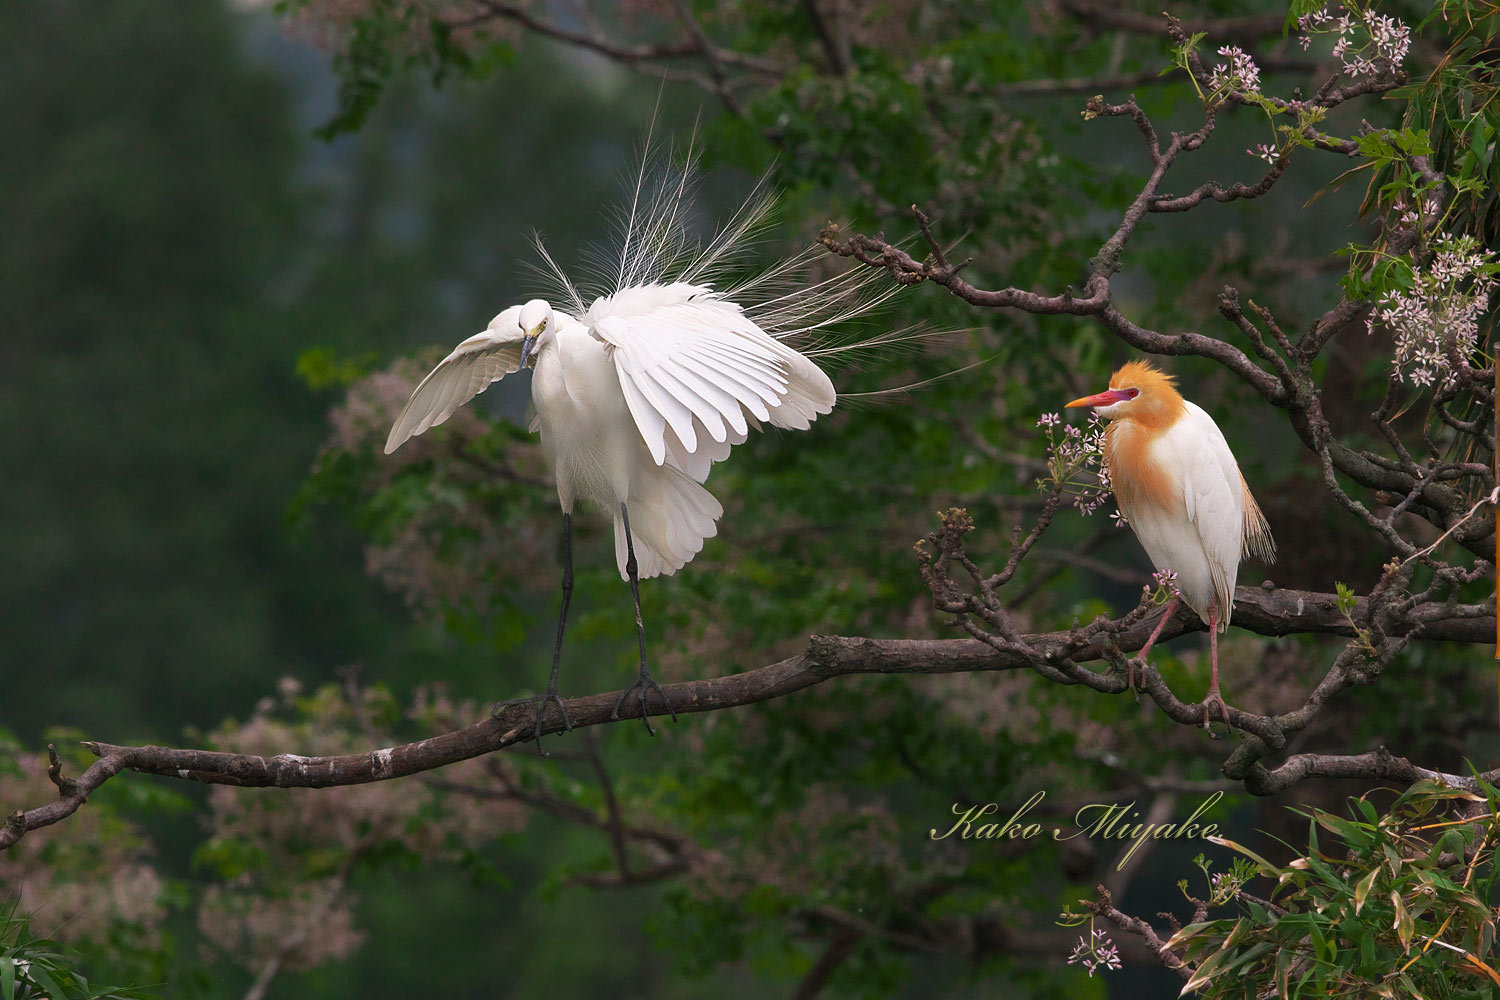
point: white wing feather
(1213, 495)
(695, 371)
(698, 368)
(476, 363)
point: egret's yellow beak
(1105, 398)
(528, 342)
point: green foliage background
(176, 239)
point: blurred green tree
(792, 838)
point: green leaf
(321, 369)
(38, 975)
(1403, 924)
(1266, 867)
(1362, 891)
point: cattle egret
(639, 392)
(1178, 485)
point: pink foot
(1213, 660)
(1212, 700)
(1146, 649)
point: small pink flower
(1096, 952)
(1239, 73)
(1264, 152)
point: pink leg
(1213, 666)
(1146, 649)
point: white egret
(640, 391)
(1178, 485)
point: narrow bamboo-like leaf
(1206, 971)
(1484, 968)
(1362, 890)
(1240, 931)
(39, 976)
(1249, 955)
(1402, 924)
(1188, 932)
(1270, 869)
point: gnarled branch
(1267, 612)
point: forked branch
(1268, 612)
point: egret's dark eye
(1132, 393)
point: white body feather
(638, 393)
(1201, 534)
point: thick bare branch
(1380, 764)
(1267, 612)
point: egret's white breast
(1197, 532)
(587, 433)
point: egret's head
(538, 325)
(1138, 391)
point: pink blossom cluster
(302, 927)
(1223, 886)
(1436, 321)
(1079, 450)
(1406, 215)
(413, 559)
(1239, 73)
(1386, 40)
(1095, 952)
(281, 906)
(87, 882)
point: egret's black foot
(644, 684)
(540, 701)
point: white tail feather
(669, 520)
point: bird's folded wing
(697, 373)
(462, 375)
(1211, 486)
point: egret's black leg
(551, 695)
(562, 623)
(644, 681)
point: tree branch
(1103, 906)
(835, 42)
(633, 56)
(1266, 612)
(1248, 29)
(710, 55)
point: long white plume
(800, 299)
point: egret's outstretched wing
(1214, 497)
(482, 359)
(696, 372)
